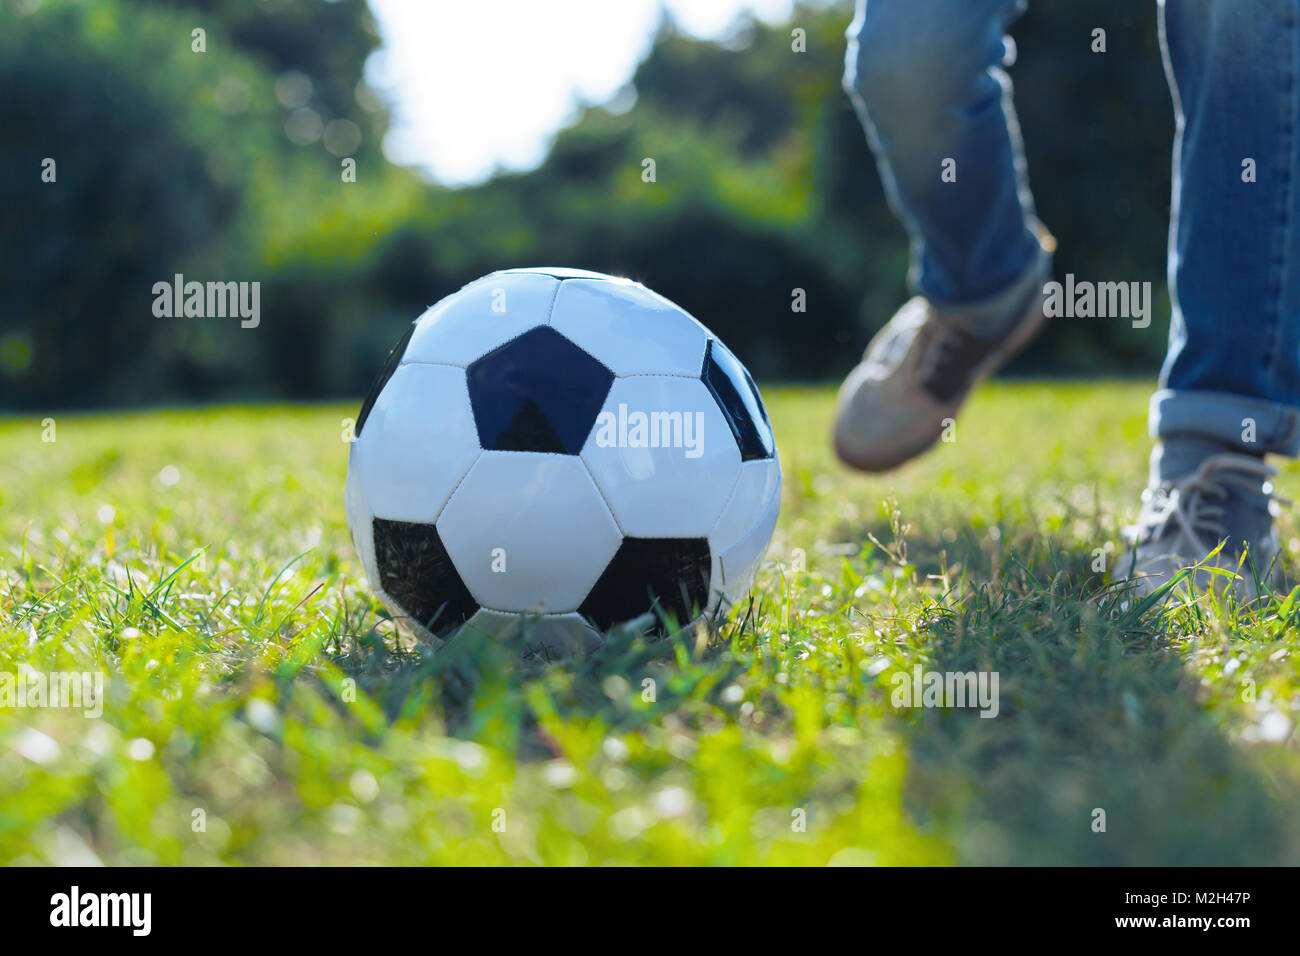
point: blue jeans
(926, 79)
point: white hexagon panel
(416, 443)
(663, 455)
(360, 522)
(553, 634)
(528, 532)
(740, 538)
(482, 316)
(628, 328)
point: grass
(259, 709)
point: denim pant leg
(1232, 373)
(925, 78)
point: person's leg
(925, 77)
(1232, 374)
(1230, 386)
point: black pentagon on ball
(390, 366)
(737, 396)
(667, 575)
(538, 392)
(416, 571)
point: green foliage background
(173, 161)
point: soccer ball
(557, 452)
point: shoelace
(950, 357)
(1190, 503)
(946, 355)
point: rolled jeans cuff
(1231, 419)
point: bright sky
(483, 84)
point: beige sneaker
(920, 367)
(1230, 499)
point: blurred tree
(325, 42)
(226, 166)
(135, 188)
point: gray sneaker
(1230, 498)
(920, 367)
